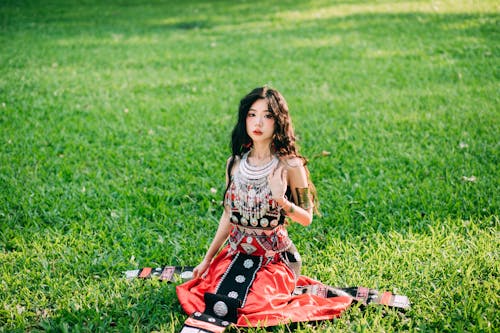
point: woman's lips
(257, 132)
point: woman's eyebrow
(252, 109)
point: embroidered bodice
(249, 197)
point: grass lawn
(115, 124)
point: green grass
(115, 123)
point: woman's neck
(260, 153)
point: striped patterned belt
(257, 242)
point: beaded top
(249, 193)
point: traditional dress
(255, 280)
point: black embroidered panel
(222, 307)
(239, 277)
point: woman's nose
(260, 121)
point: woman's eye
(269, 116)
(250, 114)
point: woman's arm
(220, 237)
(294, 174)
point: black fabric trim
(236, 219)
(290, 256)
(222, 307)
(239, 277)
(210, 319)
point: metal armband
(303, 197)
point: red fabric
(269, 301)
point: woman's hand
(277, 183)
(201, 268)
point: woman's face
(260, 122)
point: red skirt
(270, 300)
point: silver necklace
(252, 188)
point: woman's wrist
(287, 206)
(280, 201)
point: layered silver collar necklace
(252, 172)
(252, 188)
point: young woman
(253, 280)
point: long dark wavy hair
(283, 143)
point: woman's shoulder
(292, 162)
(232, 161)
(296, 171)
